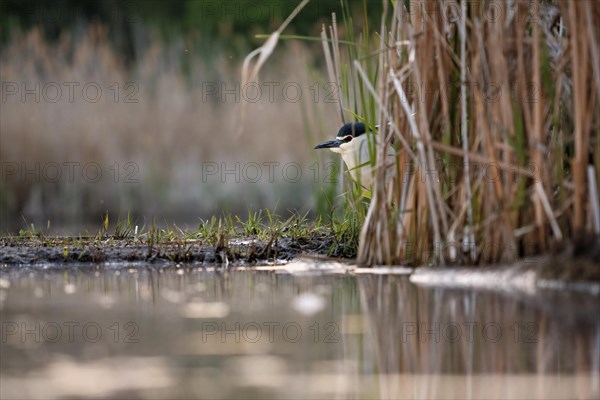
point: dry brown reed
(501, 102)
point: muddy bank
(573, 261)
(68, 250)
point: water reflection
(193, 333)
(463, 344)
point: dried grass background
(169, 133)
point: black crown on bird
(352, 128)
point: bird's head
(348, 138)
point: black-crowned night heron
(352, 142)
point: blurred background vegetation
(156, 129)
(231, 24)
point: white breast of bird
(357, 156)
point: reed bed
(493, 110)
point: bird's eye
(347, 139)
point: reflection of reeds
(444, 343)
(168, 133)
(528, 102)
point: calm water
(113, 332)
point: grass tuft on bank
(260, 237)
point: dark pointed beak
(329, 144)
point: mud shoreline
(81, 250)
(576, 261)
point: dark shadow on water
(195, 333)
